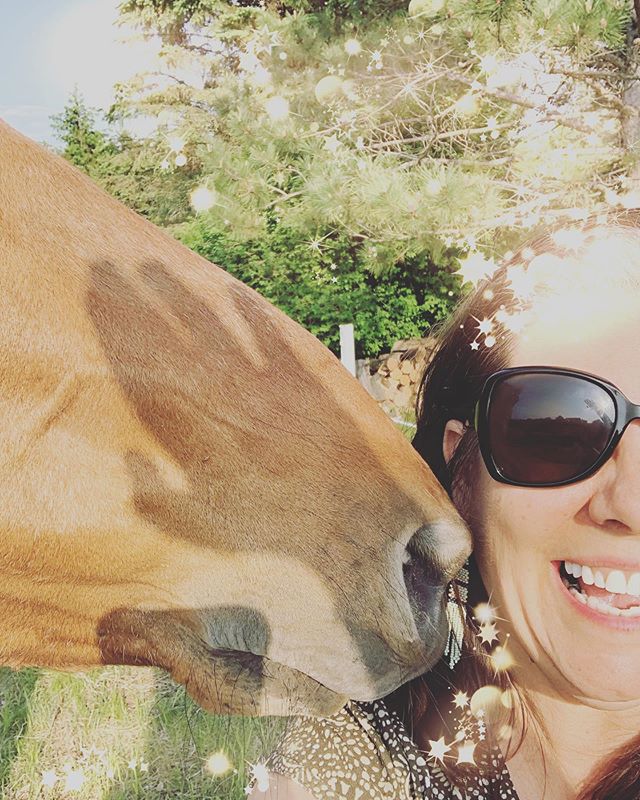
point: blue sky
(25, 96)
(49, 46)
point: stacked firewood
(393, 378)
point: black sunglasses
(546, 426)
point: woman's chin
(607, 680)
(603, 695)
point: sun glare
(85, 48)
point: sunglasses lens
(547, 428)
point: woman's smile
(614, 609)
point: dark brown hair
(449, 390)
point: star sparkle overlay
(473, 714)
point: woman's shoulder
(364, 752)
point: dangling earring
(457, 595)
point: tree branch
(509, 97)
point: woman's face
(522, 533)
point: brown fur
(190, 479)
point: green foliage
(455, 124)
(131, 172)
(126, 167)
(172, 16)
(186, 8)
(581, 25)
(384, 142)
(323, 287)
(76, 126)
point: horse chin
(253, 685)
(223, 681)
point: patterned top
(363, 752)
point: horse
(189, 479)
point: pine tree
(76, 126)
(453, 124)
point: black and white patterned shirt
(363, 752)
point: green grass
(119, 733)
(406, 422)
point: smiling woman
(532, 426)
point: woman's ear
(453, 432)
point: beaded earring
(457, 596)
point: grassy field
(121, 733)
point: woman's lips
(592, 614)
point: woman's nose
(616, 495)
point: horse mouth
(222, 680)
(240, 682)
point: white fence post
(348, 348)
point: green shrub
(322, 287)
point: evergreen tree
(127, 167)
(448, 126)
(76, 126)
(396, 143)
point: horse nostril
(426, 593)
(440, 549)
(417, 569)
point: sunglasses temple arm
(472, 421)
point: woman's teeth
(613, 581)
